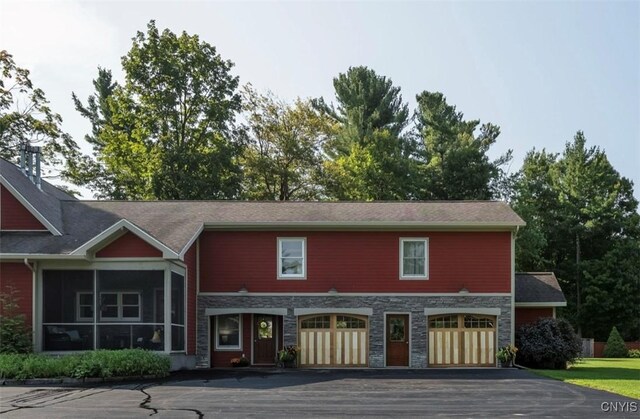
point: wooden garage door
(462, 340)
(333, 340)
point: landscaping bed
(616, 375)
(100, 364)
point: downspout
(34, 272)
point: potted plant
(507, 355)
(288, 356)
(240, 362)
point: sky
(541, 70)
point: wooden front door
(264, 343)
(397, 340)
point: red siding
(222, 359)
(356, 262)
(128, 246)
(192, 293)
(14, 216)
(18, 276)
(531, 315)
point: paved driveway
(327, 393)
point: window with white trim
(228, 331)
(414, 260)
(120, 306)
(84, 306)
(292, 258)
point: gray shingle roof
(538, 287)
(174, 223)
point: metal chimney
(38, 177)
(29, 172)
(23, 158)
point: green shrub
(15, 335)
(549, 343)
(615, 346)
(634, 353)
(101, 363)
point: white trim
(384, 339)
(542, 305)
(245, 310)
(301, 276)
(424, 276)
(462, 310)
(29, 207)
(118, 228)
(186, 247)
(513, 289)
(6, 257)
(229, 347)
(368, 224)
(333, 310)
(353, 294)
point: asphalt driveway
(319, 393)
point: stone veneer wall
(414, 305)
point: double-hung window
(414, 258)
(119, 306)
(292, 258)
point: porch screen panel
(68, 310)
(130, 312)
(177, 312)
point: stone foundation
(412, 305)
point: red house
(419, 284)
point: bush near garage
(548, 344)
(634, 353)
(615, 347)
(92, 364)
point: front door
(264, 343)
(397, 340)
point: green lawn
(620, 376)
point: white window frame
(425, 240)
(303, 275)
(79, 318)
(120, 306)
(217, 335)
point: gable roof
(43, 204)
(538, 289)
(172, 225)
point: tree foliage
(369, 156)
(25, 117)
(578, 208)
(167, 132)
(15, 335)
(282, 159)
(615, 347)
(455, 164)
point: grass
(620, 376)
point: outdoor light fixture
(243, 290)
(463, 290)
(333, 290)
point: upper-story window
(292, 258)
(414, 258)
